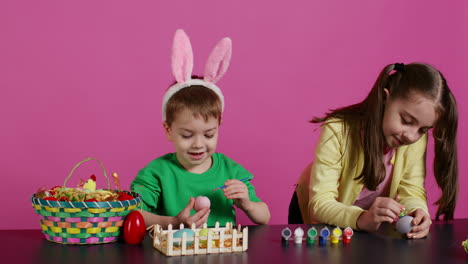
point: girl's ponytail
(373, 171)
(445, 160)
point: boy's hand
(422, 222)
(383, 209)
(199, 218)
(237, 191)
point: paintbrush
(224, 186)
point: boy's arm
(149, 187)
(238, 191)
(258, 212)
(153, 219)
(183, 217)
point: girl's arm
(411, 192)
(383, 209)
(422, 222)
(332, 187)
(326, 177)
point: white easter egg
(202, 202)
(404, 224)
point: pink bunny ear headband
(182, 65)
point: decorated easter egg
(188, 233)
(204, 233)
(404, 224)
(202, 202)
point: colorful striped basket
(83, 222)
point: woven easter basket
(83, 223)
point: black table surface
(443, 245)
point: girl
(370, 160)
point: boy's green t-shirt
(166, 187)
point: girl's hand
(422, 222)
(238, 191)
(383, 209)
(199, 218)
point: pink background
(86, 78)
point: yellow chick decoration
(90, 184)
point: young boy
(192, 110)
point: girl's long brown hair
(364, 122)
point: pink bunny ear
(182, 57)
(218, 61)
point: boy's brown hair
(202, 101)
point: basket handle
(83, 161)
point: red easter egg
(134, 228)
(124, 196)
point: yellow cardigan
(332, 190)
